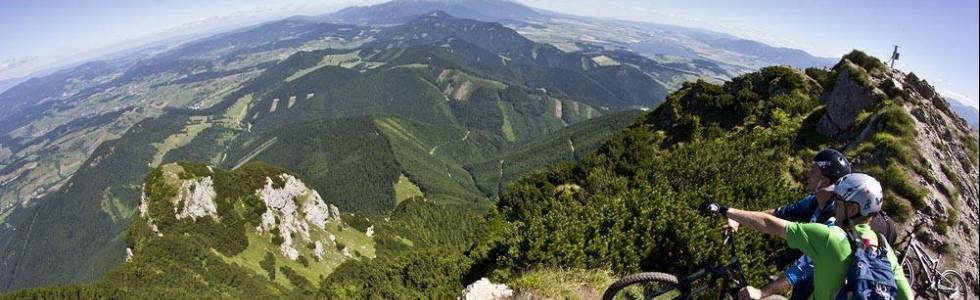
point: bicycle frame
(729, 273)
(930, 267)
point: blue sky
(939, 39)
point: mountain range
(968, 113)
(408, 148)
(441, 106)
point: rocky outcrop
(921, 89)
(941, 165)
(847, 98)
(291, 209)
(318, 250)
(195, 199)
(483, 289)
(144, 209)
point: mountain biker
(827, 167)
(857, 198)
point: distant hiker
(857, 198)
(827, 167)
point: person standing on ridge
(827, 167)
(857, 198)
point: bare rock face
(144, 209)
(845, 101)
(483, 289)
(292, 209)
(940, 144)
(195, 199)
(318, 249)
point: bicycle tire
(638, 278)
(909, 271)
(770, 297)
(959, 286)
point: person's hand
(732, 225)
(711, 208)
(749, 293)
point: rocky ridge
(940, 152)
(285, 210)
(291, 210)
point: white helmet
(861, 189)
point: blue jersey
(806, 210)
(800, 272)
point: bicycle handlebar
(922, 221)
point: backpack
(870, 276)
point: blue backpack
(870, 276)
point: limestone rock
(195, 199)
(318, 250)
(483, 289)
(844, 102)
(284, 206)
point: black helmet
(832, 164)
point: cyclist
(857, 198)
(828, 166)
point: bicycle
(947, 284)
(656, 285)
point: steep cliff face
(294, 210)
(258, 223)
(897, 127)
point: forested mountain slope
(632, 205)
(629, 206)
(410, 155)
(368, 127)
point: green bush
(893, 118)
(637, 209)
(895, 178)
(268, 264)
(824, 77)
(296, 279)
(973, 149)
(897, 207)
(868, 62)
(414, 275)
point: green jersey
(831, 253)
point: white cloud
(961, 98)
(10, 64)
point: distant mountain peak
(401, 11)
(436, 14)
(454, 1)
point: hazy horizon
(939, 40)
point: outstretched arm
(760, 221)
(773, 288)
(776, 287)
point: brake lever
(728, 236)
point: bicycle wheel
(909, 270)
(650, 285)
(952, 286)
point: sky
(938, 39)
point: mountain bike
(947, 284)
(656, 285)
